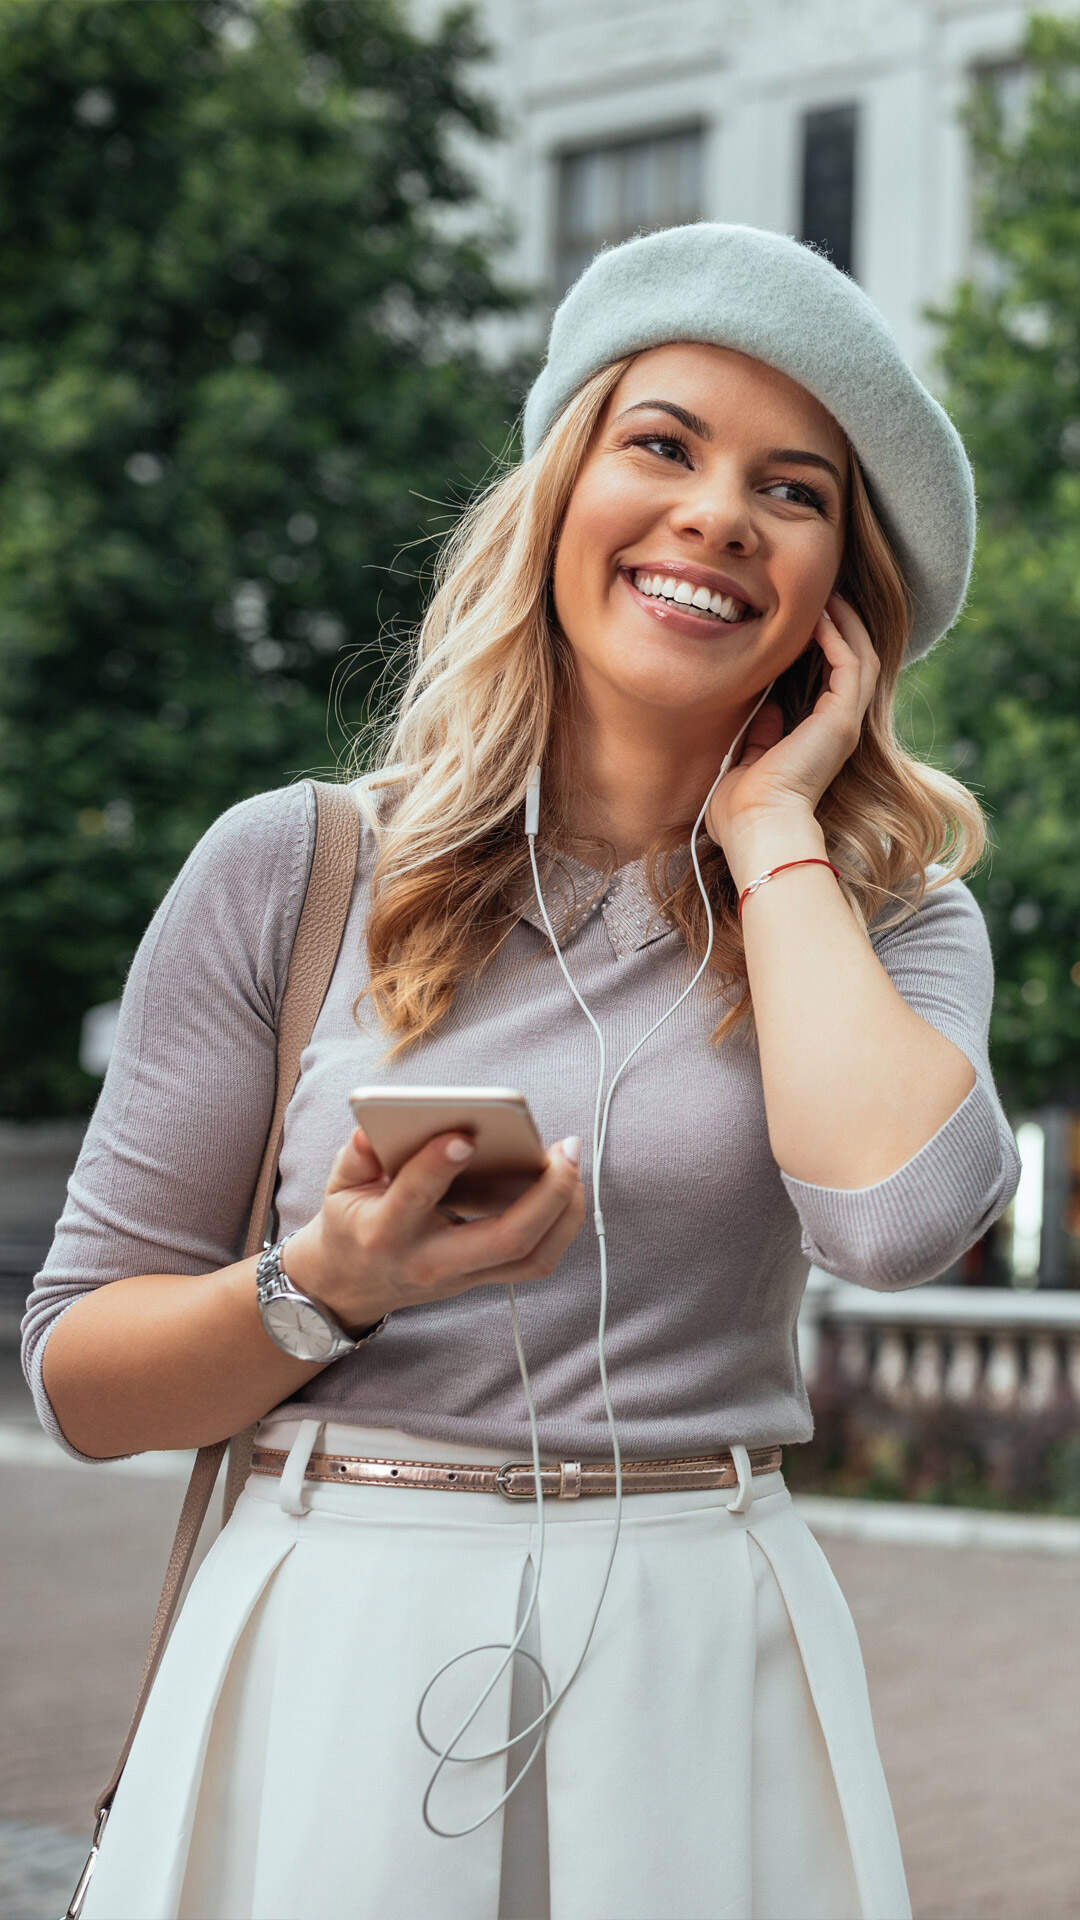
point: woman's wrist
(303, 1261)
(763, 841)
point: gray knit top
(708, 1240)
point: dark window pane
(607, 193)
(1009, 83)
(1005, 88)
(828, 183)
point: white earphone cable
(599, 1139)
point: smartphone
(509, 1150)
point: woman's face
(704, 533)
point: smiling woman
(672, 632)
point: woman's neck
(631, 798)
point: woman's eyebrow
(692, 420)
(799, 456)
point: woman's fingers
(356, 1165)
(485, 1247)
(419, 1185)
(844, 620)
(547, 1252)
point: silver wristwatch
(293, 1320)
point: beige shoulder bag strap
(315, 950)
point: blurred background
(274, 279)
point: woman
(738, 517)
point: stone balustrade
(989, 1349)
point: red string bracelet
(813, 861)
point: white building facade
(833, 120)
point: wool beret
(784, 303)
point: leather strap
(515, 1480)
(315, 950)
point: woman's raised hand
(379, 1243)
(777, 772)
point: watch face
(299, 1329)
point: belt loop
(569, 1480)
(291, 1488)
(745, 1495)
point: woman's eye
(652, 440)
(803, 496)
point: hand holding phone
(508, 1151)
(379, 1241)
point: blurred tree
(1006, 685)
(240, 257)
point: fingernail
(459, 1150)
(571, 1149)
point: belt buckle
(504, 1486)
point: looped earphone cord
(739, 1453)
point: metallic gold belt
(515, 1480)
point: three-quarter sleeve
(911, 1226)
(168, 1164)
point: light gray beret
(780, 301)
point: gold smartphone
(509, 1151)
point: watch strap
(272, 1282)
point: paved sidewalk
(972, 1654)
(39, 1869)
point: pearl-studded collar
(574, 893)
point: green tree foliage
(1005, 686)
(240, 263)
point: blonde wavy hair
(490, 685)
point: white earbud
(532, 803)
(743, 1496)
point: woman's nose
(719, 512)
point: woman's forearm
(166, 1360)
(855, 1081)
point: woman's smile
(686, 600)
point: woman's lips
(697, 625)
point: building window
(1006, 87)
(607, 193)
(828, 183)
(1001, 92)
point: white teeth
(720, 605)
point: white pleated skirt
(714, 1755)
